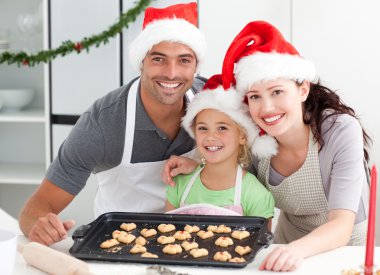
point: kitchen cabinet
(24, 135)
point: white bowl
(15, 99)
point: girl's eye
(222, 128)
(201, 128)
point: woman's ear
(304, 89)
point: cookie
(109, 243)
(137, 249)
(182, 235)
(222, 256)
(128, 226)
(219, 229)
(148, 232)
(189, 245)
(237, 260)
(205, 234)
(243, 250)
(140, 240)
(127, 238)
(191, 229)
(224, 241)
(164, 228)
(172, 249)
(165, 239)
(149, 255)
(239, 235)
(199, 252)
(117, 233)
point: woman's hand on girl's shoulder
(176, 165)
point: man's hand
(176, 165)
(50, 229)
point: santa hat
(229, 102)
(176, 23)
(261, 53)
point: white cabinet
(24, 141)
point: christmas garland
(69, 46)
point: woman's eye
(253, 97)
(277, 92)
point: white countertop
(332, 262)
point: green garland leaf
(67, 47)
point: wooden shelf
(22, 173)
(31, 115)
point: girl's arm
(176, 165)
(333, 234)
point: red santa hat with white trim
(260, 53)
(229, 102)
(176, 23)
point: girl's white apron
(208, 209)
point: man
(125, 137)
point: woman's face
(276, 105)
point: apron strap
(238, 186)
(131, 118)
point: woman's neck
(220, 176)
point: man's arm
(39, 219)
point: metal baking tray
(87, 238)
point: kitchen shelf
(31, 115)
(22, 173)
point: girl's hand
(177, 165)
(282, 258)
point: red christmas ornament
(25, 63)
(78, 47)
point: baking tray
(87, 238)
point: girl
(224, 134)
(317, 178)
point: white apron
(302, 200)
(209, 209)
(132, 187)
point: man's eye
(185, 60)
(157, 59)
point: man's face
(168, 72)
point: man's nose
(171, 70)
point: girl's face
(217, 136)
(276, 105)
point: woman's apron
(132, 187)
(207, 209)
(302, 200)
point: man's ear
(304, 89)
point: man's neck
(165, 117)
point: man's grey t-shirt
(96, 142)
(341, 165)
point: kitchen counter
(332, 262)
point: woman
(317, 178)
